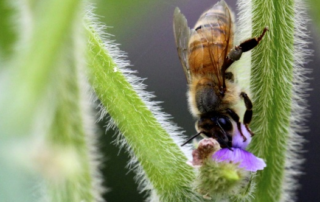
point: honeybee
(206, 52)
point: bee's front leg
(253, 42)
(245, 46)
(236, 118)
(236, 52)
(248, 114)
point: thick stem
(162, 162)
(271, 83)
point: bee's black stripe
(220, 45)
(212, 26)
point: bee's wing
(182, 35)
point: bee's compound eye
(225, 123)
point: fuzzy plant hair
(299, 111)
(279, 89)
(146, 132)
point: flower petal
(246, 160)
(237, 139)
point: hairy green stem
(272, 82)
(163, 163)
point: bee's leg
(236, 118)
(236, 52)
(225, 141)
(245, 46)
(224, 144)
(229, 76)
(253, 42)
(248, 114)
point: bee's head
(216, 126)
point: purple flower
(238, 154)
(246, 160)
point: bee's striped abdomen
(211, 41)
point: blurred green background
(143, 28)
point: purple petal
(237, 139)
(247, 160)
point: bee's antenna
(191, 138)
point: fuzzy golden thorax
(204, 96)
